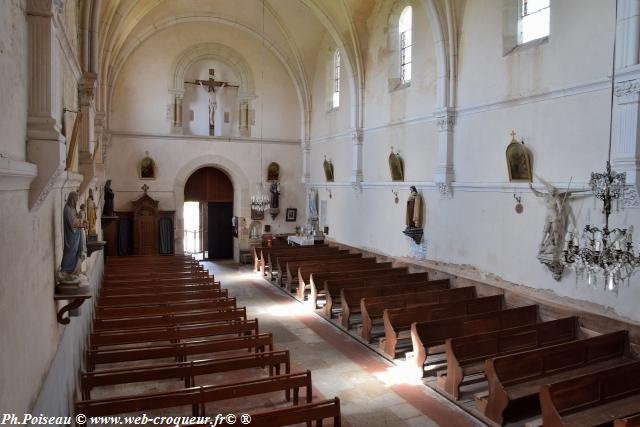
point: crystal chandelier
(259, 201)
(602, 251)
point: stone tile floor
(373, 391)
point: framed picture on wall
(147, 168)
(292, 214)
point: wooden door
(147, 233)
(220, 230)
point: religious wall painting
(292, 214)
(147, 168)
(396, 166)
(273, 172)
(518, 161)
(328, 169)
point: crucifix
(211, 85)
(145, 188)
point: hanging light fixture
(603, 251)
(260, 200)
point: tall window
(533, 21)
(404, 28)
(336, 80)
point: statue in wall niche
(107, 210)
(70, 277)
(91, 215)
(413, 219)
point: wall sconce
(395, 194)
(519, 207)
(329, 191)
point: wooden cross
(145, 188)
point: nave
(371, 390)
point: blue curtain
(125, 237)
(166, 236)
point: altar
(304, 240)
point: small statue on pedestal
(70, 277)
(413, 219)
(107, 210)
(274, 199)
(91, 217)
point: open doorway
(208, 213)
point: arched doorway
(208, 211)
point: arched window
(336, 79)
(404, 31)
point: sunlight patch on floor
(404, 373)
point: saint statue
(275, 194)
(414, 209)
(107, 210)
(74, 250)
(312, 204)
(91, 215)
(554, 220)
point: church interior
(396, 212)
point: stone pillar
(176, 111)
(45, 142)
(357, 176)
(625, 149)
(87, 141)
(306, 161)
(444, 174)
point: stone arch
(240, 192)
(218, 52)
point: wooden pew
(349, 292)
(593, 399)
(428, 337)
(372, 309)
(173, 319)
(466, 355)
(151, 298)
(282, 261)
(316, 411)
(631, 421)
(179, 351)
(277, 260)
(160, 282)
(164, 308)
(518, 377)
(173, 333)
(154, 274)
(318, 280)
(187, 371)
(265, 260)
(198, 396)
(397, 320)
(306, 268)
(364, 264)
(351, 297)
(106, 291)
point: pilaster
(357, 175)
(45, 143)
(306, 161)
(444, 174)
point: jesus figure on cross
(210, 86)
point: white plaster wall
(555, 97)
(141, 94)
(177, 157)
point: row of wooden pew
(529, 366)
(164, 319)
